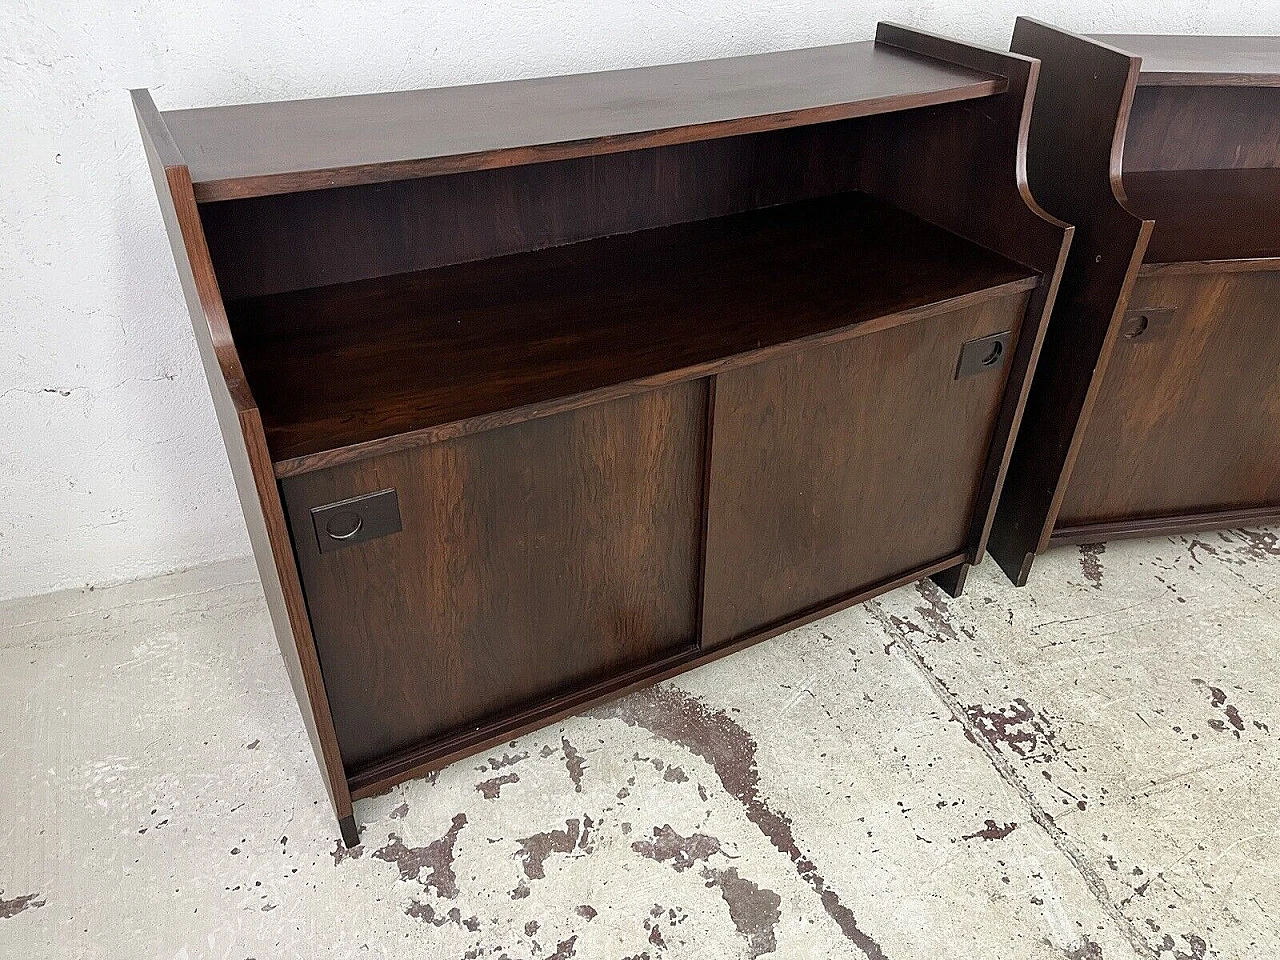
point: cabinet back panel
(275, 244)
(841, 466)
(1203, 128)
(533, 559)
(1187, 420)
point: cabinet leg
(350, 832)
(1016, 568)
(952, 579)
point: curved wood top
(260, 149)
(191, 254)
(1175, 61)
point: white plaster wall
(111, 467)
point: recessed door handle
(985, 353)
(356, 520)
(1146, 325)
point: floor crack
(1006, 771)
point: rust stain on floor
(714, 736)
(436, 858)
(14, 906)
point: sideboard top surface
(269, 148)
(1202, 61)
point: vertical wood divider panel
(245, 442)
(1074, 166)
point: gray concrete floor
(1082, 769)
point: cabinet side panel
(1188, 417)
(1073, 162)
(532, 561)
(245, 443)
(963, 166)
(844, 465)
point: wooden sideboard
(536, 392)
(1156, 407)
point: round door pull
(354, 520)
(1137, 326)
(983, 354)
(1147, 324)
(344, 525)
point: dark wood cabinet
(536, 392)
(1156, 405)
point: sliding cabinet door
(846, 465)
(507, 567)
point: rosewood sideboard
(1156, 405)
(539, 391)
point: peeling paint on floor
(1082, 769)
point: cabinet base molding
(1164, 526)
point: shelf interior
(1208, 214)
(336, 366)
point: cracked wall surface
(1083, 769)
(110, 463)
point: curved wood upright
(1155, 405)
(245, 441)
(538, 392)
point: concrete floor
(1081, 769)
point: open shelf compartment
(336, 367)
(1208, 214)
(249, 150)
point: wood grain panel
(1074, 167)
(533, 560)
(843, 465)
(1203, 128)
(256, 149)
(1188, 422)
(293, 241)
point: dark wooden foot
(1016, 568)
(952, 579)
(350, 832)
